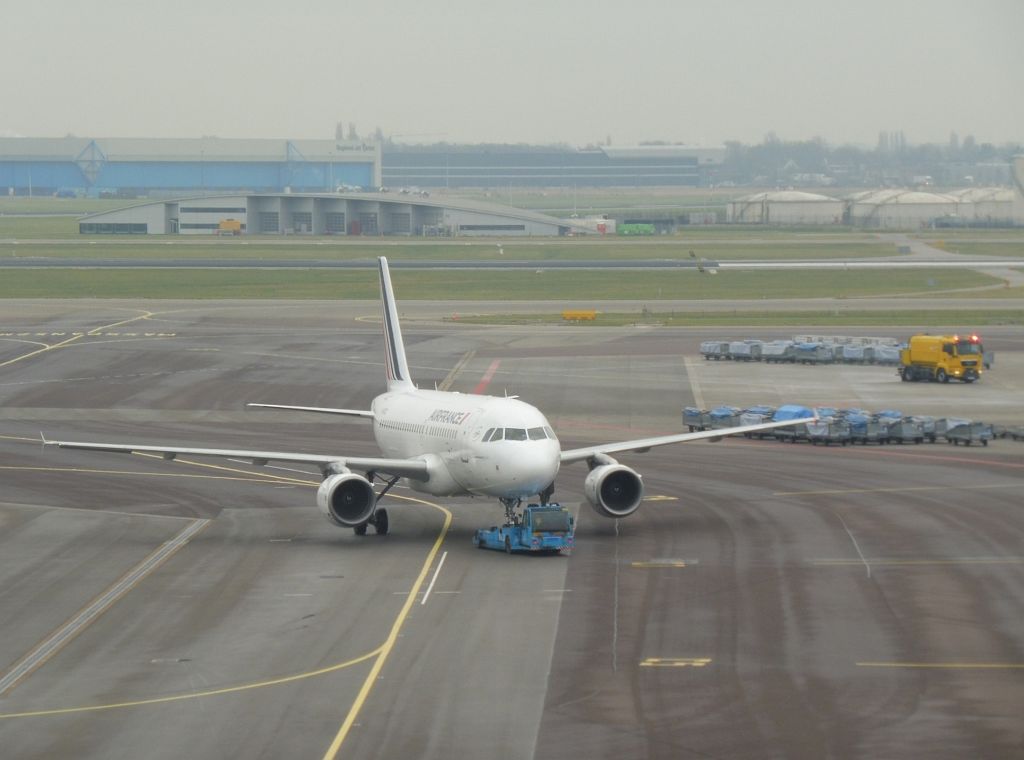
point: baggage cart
(714, 349)
(971, 432)
(745, 350)
(1016, 432)
(828, 431)
(814, 353)
(778, 352)
(695, 419)
(871, 430)
(850, 354)
(927, 426)
(906, 430)
(724, 417)
(945, 424)
(793, 433)
(887, 355)
(755, 415)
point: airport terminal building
(132, 167)
(156, 167)
(452, 166)
(348, 213)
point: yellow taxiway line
(381, 653)
(675, 662)
(94, 331)
(389, 644)
(198, 694)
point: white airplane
(448, 444)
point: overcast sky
(535, 71)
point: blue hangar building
(131, 167)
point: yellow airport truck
(941, 358)
(229, 227)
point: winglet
(395, 364)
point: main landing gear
(379, 518)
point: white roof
(786, 196)
(703, 155)
(904, 197)
(983, 194)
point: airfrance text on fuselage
(448, 416)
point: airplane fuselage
(458, 435)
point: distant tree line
(893, 162)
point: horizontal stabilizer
(317, 409)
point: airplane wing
(645, 444)
(319, 409)
(415, 469)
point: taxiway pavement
(768, 600)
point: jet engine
(613, 489)
(346, 499)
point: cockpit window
(518, 434)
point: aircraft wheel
(360, 530)
(508, 545)
(380, 521)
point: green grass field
(50, 205)
(992, 248)
(126, 247)
(444, 285)
(35, 227)
(56, 237)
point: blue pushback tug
(541, 528)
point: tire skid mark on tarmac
(56, 641)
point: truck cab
(941, 358)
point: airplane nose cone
(534, 467)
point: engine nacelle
(614, 490)
(346, 499)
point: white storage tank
(785, 207)
(985, 205)
(900, 209)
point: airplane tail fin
(394, 359)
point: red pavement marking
(488, 376)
